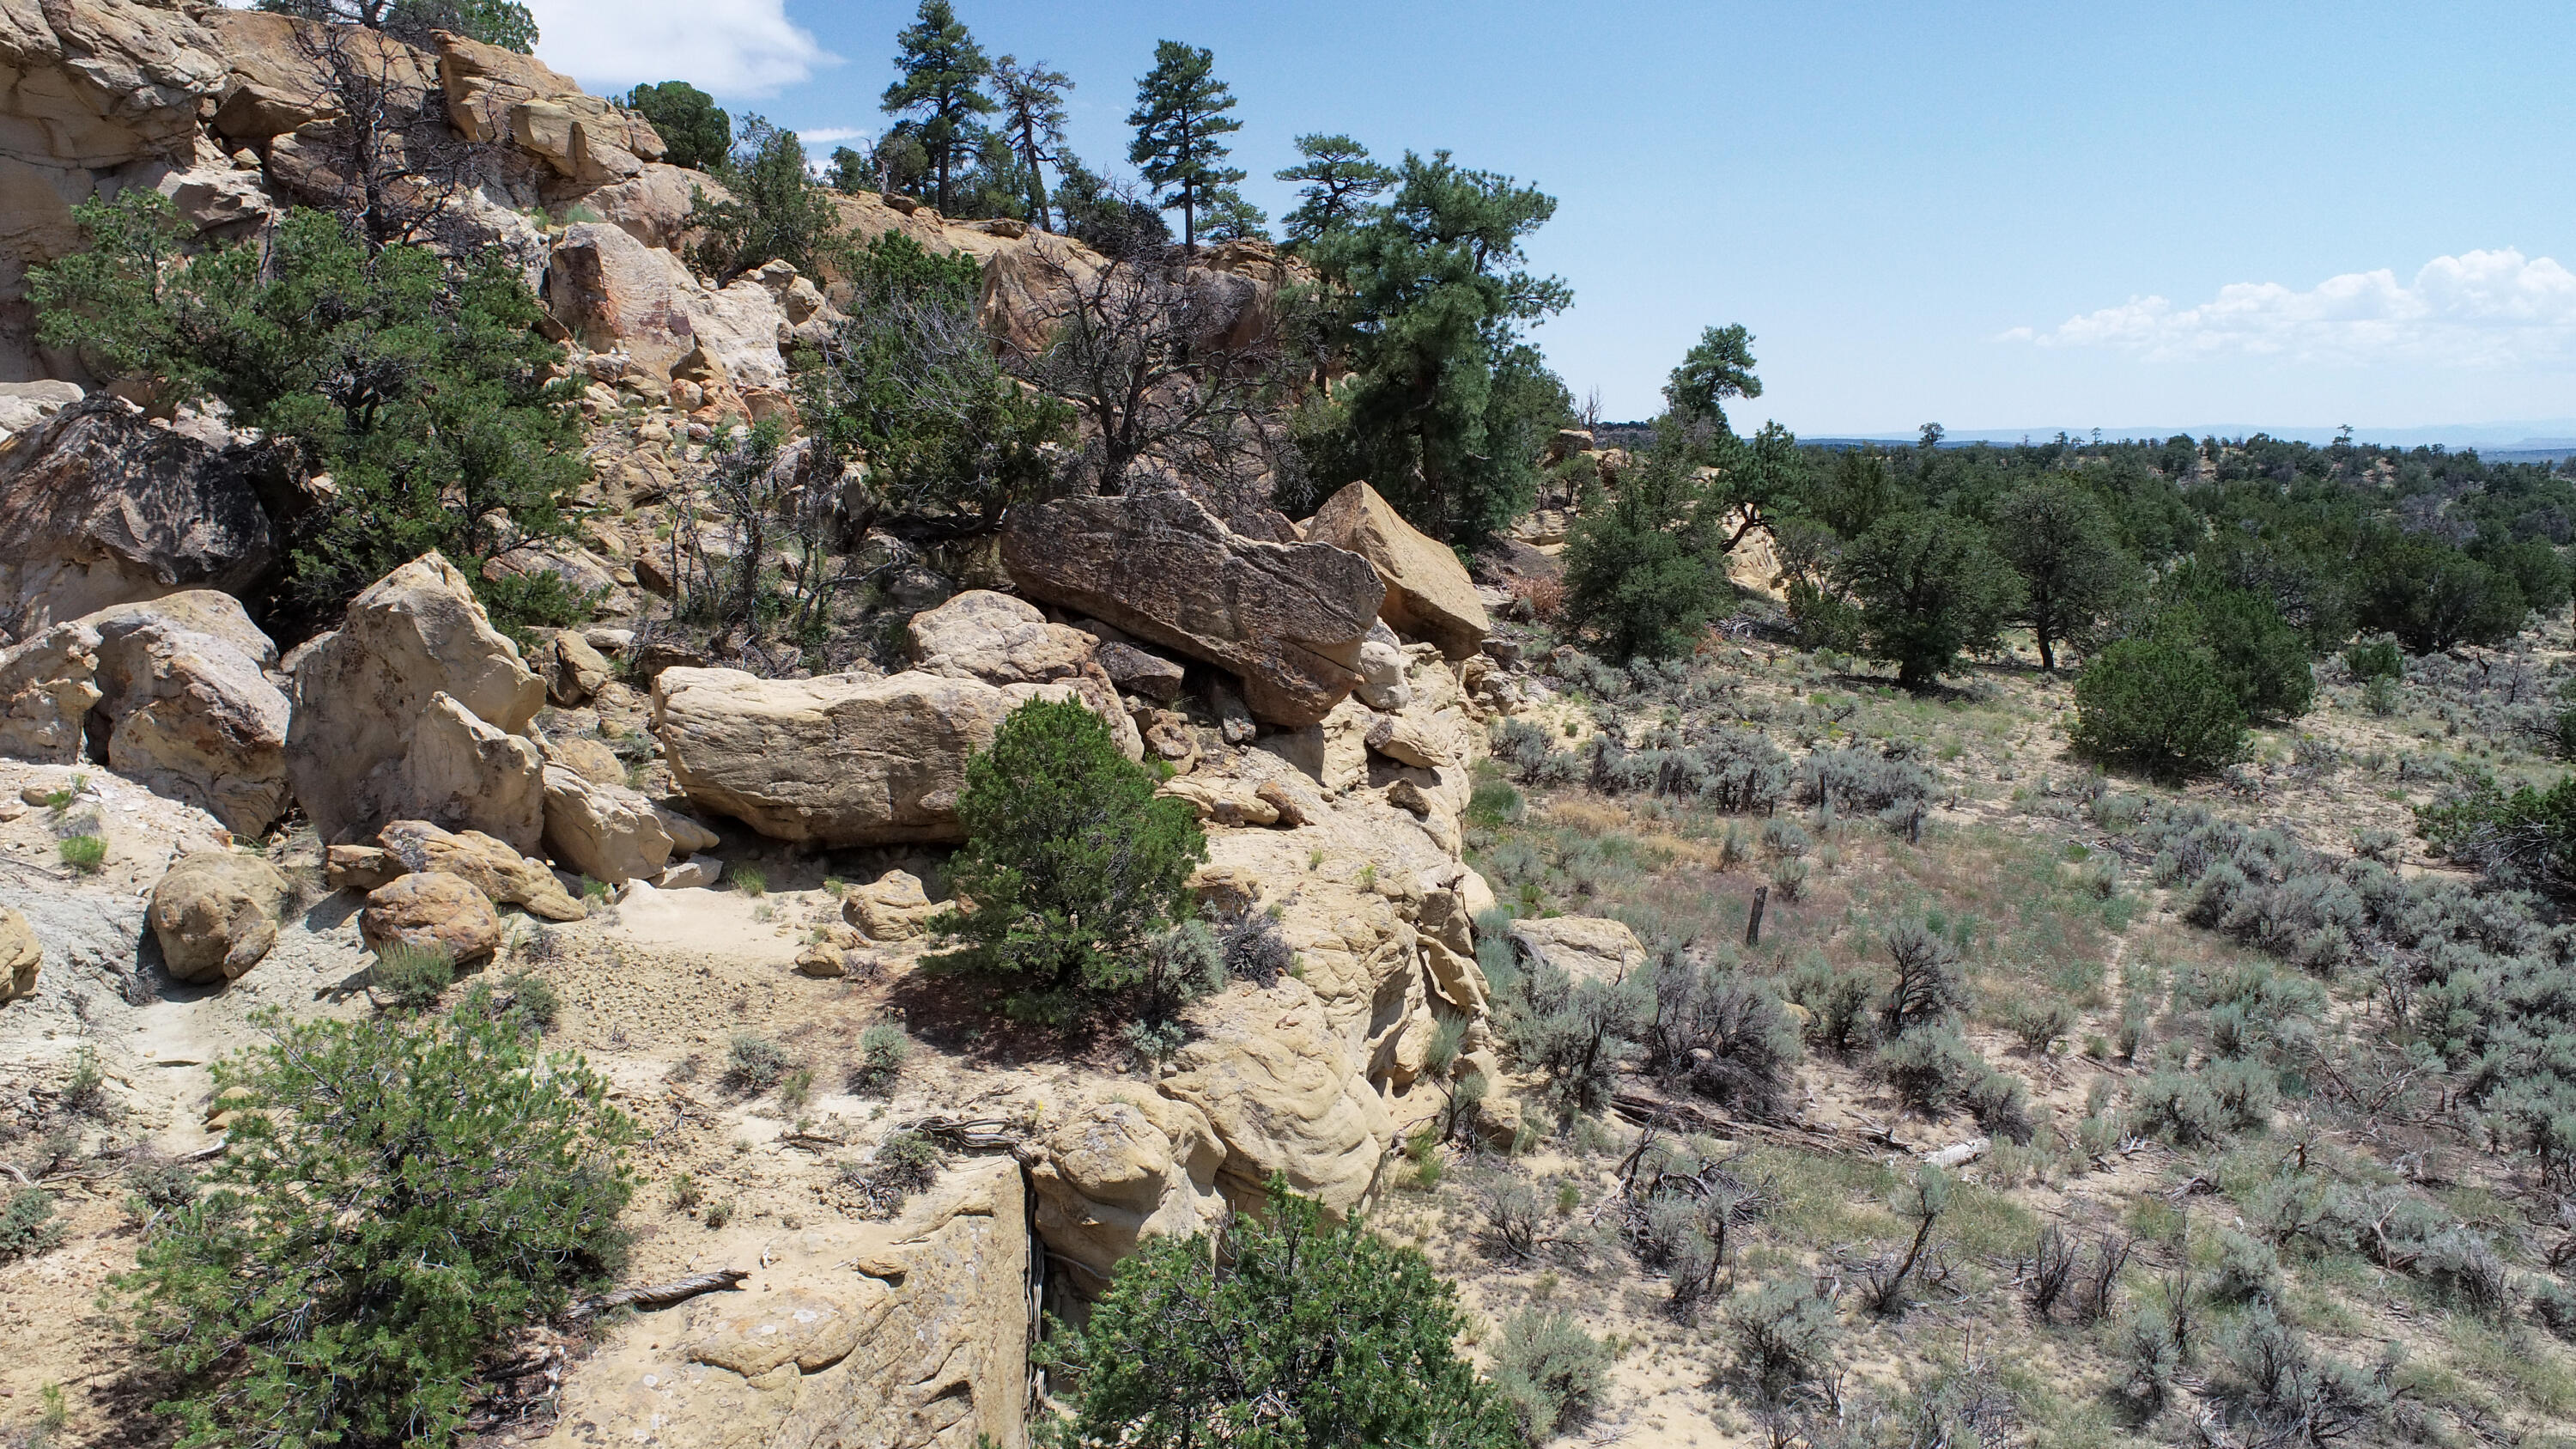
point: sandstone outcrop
(1288, 619)
(893, 907)
(98, 507)
(839, 760)
(1273, 1079)
(616, 294)
(433, 911)
(602, 829)
(1114, 1171)
(22, 959)
(500, 95)
(215, 914)
(1587, 948)
(1428, 593)
(173, 692)
(364, 696)
(503, 875)
(924, 1344)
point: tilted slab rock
(1428, 593)
(1584, 947)
(492, 867)
(1111, 1173)
(462, 774)
(618, 295)
(99, 508)
(362, 692)
(21, 958)
(603, 830)
(1288, 618)
(840, 760)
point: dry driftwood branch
(663, 1295)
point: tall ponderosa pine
(1718, 368)
(1180, 114)
(1032, 109)
(1339, 180)
(694, 129)
(1445, 409)
(943, 69)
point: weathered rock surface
(500, 95)
(998, 639)
(1114, 1171)
(432, 910)
(1428, 593)
(925, 1344)
(1141, 672)
(603, 830)
(98, 508)
(839, 760)
(22, 958)
(618, 295)
(364, 692)
(460, 773)
(1276, 1082)
(215, 914)
(503, 875)
(1288, 618)
(893, 907)
(1584, 947)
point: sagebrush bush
(1782, 1336)
(2248, 1271)
(27, 1224)
(883, 1050)
(1838, 1004)
(1929, 986)
(1549, 1370)
(393, 1201)
(1931, 1068)
(1721, 1034)
(754, 1063)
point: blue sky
(1993, 216)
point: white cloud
(2478, 309)
(822, 136)
(730, 47)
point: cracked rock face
(1287, 618)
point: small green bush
(1328, 1327)
(406, 977)
(2180, 1109)
(2370, 659)
(754, 1063)
(2248, 1271)
(2158, 704)
(1782, 1336)
(2553, 1306)
(529, 999)
(398, 1199)
(748, 878)
(85, 853)
(1072, 865)
(27, 1224)
(1495, 802)
(1931, 1068)
(883, 1049)
(1549, 1370)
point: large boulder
(993, 637)
(363, 693)
(495, 95)
(840, 760)
(278, 75)
(174, 691)
(433, 911)
(1428, 593)
(463, 774)
(1587, 948)
(1288, 618)
(615, 294)
(503, 875)
(215, 914)
(602, 829)
(653, 205)
(100, 507)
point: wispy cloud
(831, 136)
(2477, 309)
(731, 47)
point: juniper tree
(695, 131)
(2060, 540)
(1180, 114)
(942, 69)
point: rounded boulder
(215, 914)
(435, 910)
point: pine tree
(1032, 107)
(2057, 536)
(1720, 367)
(941, 66)
(1339, 179)
(695, 131)
(1180, 112)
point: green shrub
(1645, 567)
(1495, 802)
(1931, 1068)
(1329, 1328)
(2040, 1025)
(1549, 1370)
(85, 1090)
(1929, 589)
(2001, 1105)
(748, 878)
(407, 977)
(2159, 705)
(2181, 1110)
(883, 1049)
(754, 1063)
(695, 131)
(1838, 1004)
(2248, 1271)
(2553, 1306)
(27, 1224)
(1782, 1336)
(160, 1185)
(395, 1202)
(2527, 838)
(773, 210)
(84, 853)
(2369, 659)
(1929, 987)
(420, 384)
(1072, 866)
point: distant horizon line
(2555, 434)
